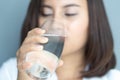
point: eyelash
(74, 14)
(46, 15)
(67, 14)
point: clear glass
(45, 63)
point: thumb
(60, 63)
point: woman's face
(74, 15)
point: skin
(74, 15)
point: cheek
(41, 20)
(77, 38)
(79, 34)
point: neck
(73, 64)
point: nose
(58, 20)
(57, 24)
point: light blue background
(12, 13)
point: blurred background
(12, 13)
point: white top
(9, 72)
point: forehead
(62, 2)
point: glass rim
(52, 34)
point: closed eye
(70, 14)
(46, 13)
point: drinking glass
(45, 63)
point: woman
(88, 49)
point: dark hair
(99, 49)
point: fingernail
(38, 30)
(45, 39)
(43, 31)
(41, 47)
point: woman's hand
(30, 44)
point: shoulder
(10, 64)
(112, 74)
(10, 61)
(9, 69)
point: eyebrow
(71, 5)
(47, 6)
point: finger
(30, 47)
(35, 39)
(23, 66)
(36, 31)
(27, 49)
(17, 53)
